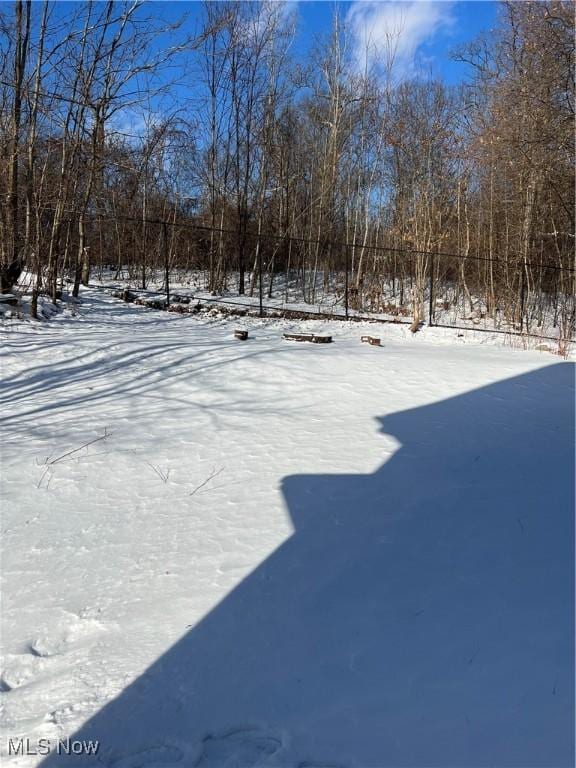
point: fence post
(260, 283)
(431, 291)
(346, 281)
(522, 300)
(555, 322)
(166, 261)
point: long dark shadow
(420, 616)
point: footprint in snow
(20, 669)
(39, 660)
(240, 748)
(161, 756)
(306, 764)
(75, 634)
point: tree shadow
(422, 615)
(102, 368)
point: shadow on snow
(421, 615)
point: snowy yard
(281, 554)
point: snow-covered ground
(380, 300)
(228, 554)
(542, 328)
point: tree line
(333, 171)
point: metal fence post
(260, 283)
(166, 261)
(431, 291)
(346, 282)
(522, 300)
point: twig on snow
(39, 483)
(90, 442)
(162, 475)
(214, 474)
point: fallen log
(128, 296)
(312, 337)
(372, 340)
(298, 336)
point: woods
(333, 176)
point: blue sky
(426, 31)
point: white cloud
(258, 17)
(134, 123)
(391, 33)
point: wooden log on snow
(312, 337)
(372, 340)
(128, 296)
(298, 336)
(241, 335)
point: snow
(451, 308)
(220, 553)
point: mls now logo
(45, 746)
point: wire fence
(330, 276)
